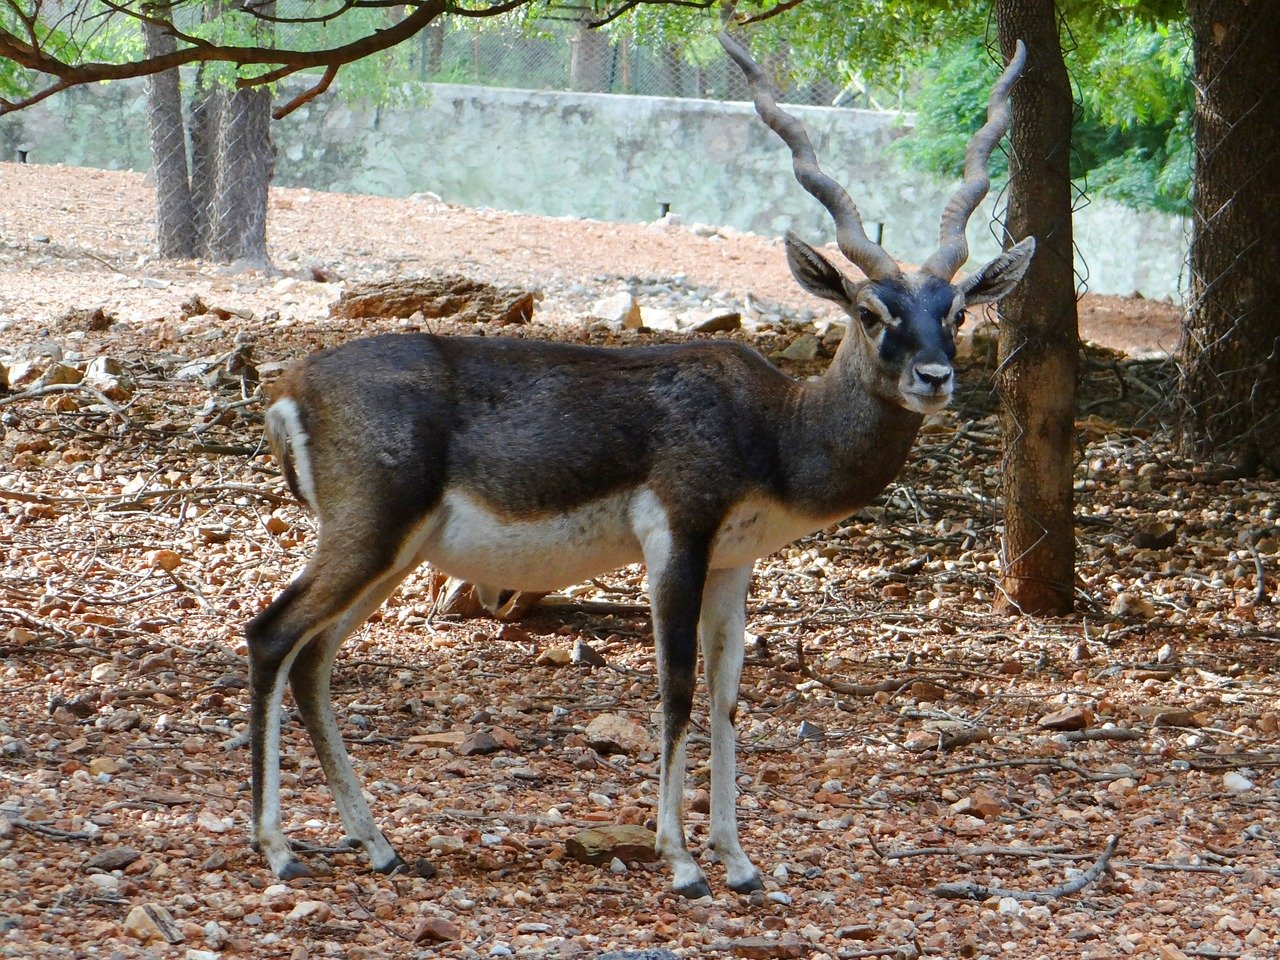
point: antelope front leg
(722, 629)
(675, 587)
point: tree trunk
(434, 39)
(589, 60)
(175, 214)
(245, 162)
(1039, 339)
(206, 111)
(1229, 389)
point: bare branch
(978, 891)
(632, 4)
(774, 11)
(33, 57)
(279, 113)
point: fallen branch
(152, 494)
(44, 830)
(988, 851)
(35, 393)
(1054, 762)
(978, 891)
(1102, 733)
(892, 685)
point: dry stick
(1102, 733)
(36, 392)
(152, 494)
(850, 689)
(978, 891)
(1057, 764)
(43, 829)
(989, 851)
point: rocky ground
(897, 737)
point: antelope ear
(815, 272)
(998, 277)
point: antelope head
(901, 338)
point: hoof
(351, 843)
(293, 870)
(693, 891)
(393, 866)
(749, 885)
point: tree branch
(279, 113)
(34, 58)
(775, 11)
(978, 891)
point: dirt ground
(918, 743)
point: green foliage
(1132, 141)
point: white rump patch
(285, 423)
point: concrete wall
(611, 158)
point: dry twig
(978, 891)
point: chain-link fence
(1230, 378)
(564, 53)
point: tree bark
(1039, 338)
(245, 162)
(206, 111)
(590, 59)
(175, 214)
(1229, 388)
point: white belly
(464, 538)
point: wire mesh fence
(565, 53)
(1229, 386)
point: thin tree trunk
(589, 59)
(434, 35)
(246, 160)
(206, 113)
(1229, 390)
(1039, 338)
(175, 214)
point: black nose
(934, 375)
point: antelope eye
(958, 319)
(868, 317)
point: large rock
(620, 311)
(612, 733)
(446, 295)
(627, 842)
(150, 921)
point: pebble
(779, 897)
(1237, 783)
(207, 820)
(309, 908)
(617, 866)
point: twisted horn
(853, 241)
(953, 247)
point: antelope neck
(849, 442)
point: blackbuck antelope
(535, 465)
